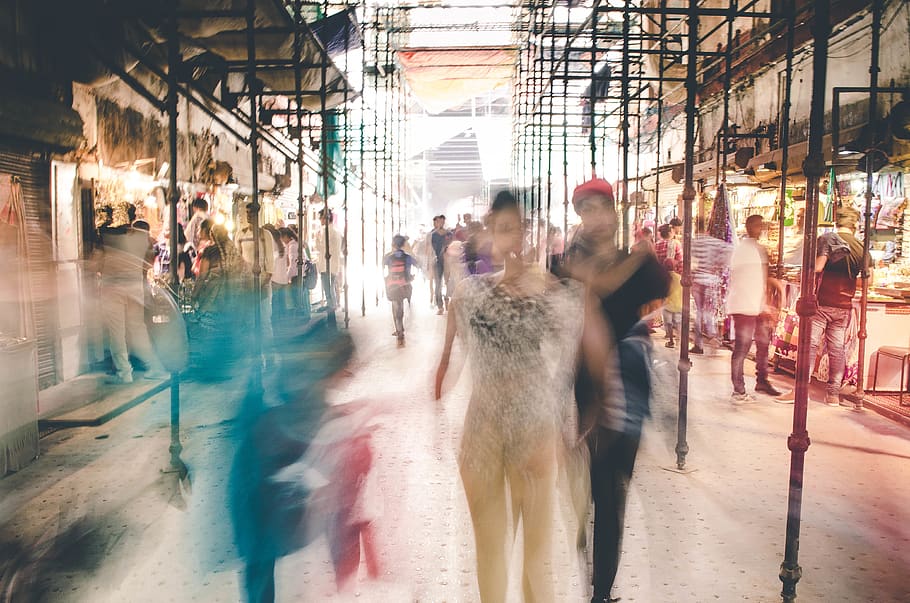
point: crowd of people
(561, 368)
(735, 280)
(216, 275)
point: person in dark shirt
(838, 263)
(629, 287)
(440, 239)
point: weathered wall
(758, 100)
(124, 128)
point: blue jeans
(832, 324)
(439, 279)
(704, 313)
(749, 329)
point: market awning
(444, 78)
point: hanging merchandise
(832, 195)
(719, 223)
(720, 227)
(789, 211)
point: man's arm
(820, 262)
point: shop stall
(18, 355)
(888, 307)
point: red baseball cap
(594, 186)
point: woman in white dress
(522, 329)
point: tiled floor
(714, 534)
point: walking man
(628, 286)
(439, 240)
(747, 303)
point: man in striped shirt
(710, 258)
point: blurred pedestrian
(219, 307)
(246, 245)
(439, 241)
(123, 264)
(644, 240)
(672, 312)
(398, 279)
(521, 329)
(328, 259)
(200, 214)
(291, 244)
(630, 288)
(279, 281)
(268, 511)
(668, 248)
(710, 260)
(838, 265)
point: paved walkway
(715, 534)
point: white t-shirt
(280, 270)
(748, 279)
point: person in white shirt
(747, 303)
(280, 279)
(246, 245)
(330, 282)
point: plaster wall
(758, 99)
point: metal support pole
(303, 293)
(565, 140)
(549, 216)
(660, 108)
(877, 6)
(725, 126)
(624, 116)
(592, 96)
(173, 56)
(363, 177)
(330, 316)
(344, 166)
(377, 195)
(253, 85)
(814, 169)
(682, 446)
(790, 11)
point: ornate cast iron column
(814, 169)
(173, 60)
(867, 211)
(682, 447)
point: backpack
(397, 282)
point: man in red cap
(628, 287)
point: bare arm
(820, 262)
(604, 283)
(451, 330)
(594, 359)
